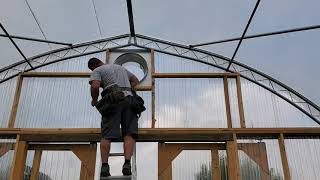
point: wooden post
(87, 155)
(233, 160)
(153, 96)
(258, 153)
(36, 165)
(227, 101)
(166, 154)
(15, 103)
(284, 160)
(240, 103)
(107, 56)
(216, 174)
(19, 159)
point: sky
(291, 58)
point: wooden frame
(151, 88)
(227, 101)
(284, 160)
(19, 159)
(157, 134)
(168, 152)
(240, 103)
(233, 159)
(15, 103)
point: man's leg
(105, 149)
(128, 146)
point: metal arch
(174, 49)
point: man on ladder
(116, 108)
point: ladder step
(116, 154)
(116, 178)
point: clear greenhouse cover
(279, 72)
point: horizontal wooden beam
(156, 134)
(57, 74)
(71, 75)
(194, 75)
(156, 75)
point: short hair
(93, 62)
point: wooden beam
(157, 134)
(258, 153)
(87, 155)
(233, 160)
(36, 165)
(57, 147)
(166, 154)
(15, 103)
(107, 56)
(240, 103)
(6, 147)
(57, 74)
(284, 160)
(227, 101)
(19, 160)
(216, 173)
(194, 75)
(153, 94)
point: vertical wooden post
(166, 154)
(153, 96)
(240, 103)
(227, 101)
(107, 56)
(36, 165)
(216, 174)
(233, 159)
(19, 159)
(15, 103)
(284, 159)
(87, 155)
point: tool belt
(113, 95)
(110, 97)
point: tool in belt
(114, 95)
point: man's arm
(94, 89)
(134, 81)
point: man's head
(93, 63)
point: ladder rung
(116, 154)
(116, 178)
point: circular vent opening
(134, 63)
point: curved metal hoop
(199, 55)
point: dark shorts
(121, 114)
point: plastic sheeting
(171, 64)
(192, 165)
(63, 103)
(56, 103)
(6, 157)
(59, 165)
(234, 107)
(264, 109)
(7, 90)
(190, 103)
(303, 158)
(79, 64)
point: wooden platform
(155, 134)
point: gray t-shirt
(111, 74)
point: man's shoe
(126, 169)
(105, 171)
